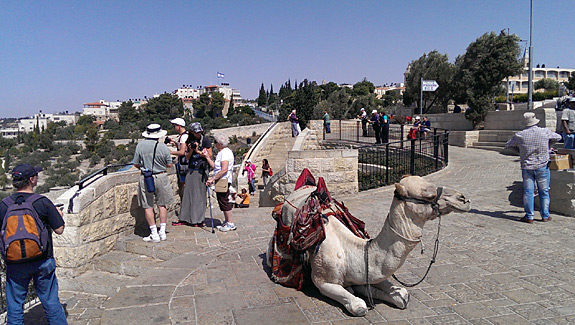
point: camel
(338, 264)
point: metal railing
(381, 165)
(104, 171)
(384, 164)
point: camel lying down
(338, 264)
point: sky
(57, 55)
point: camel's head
(429, 200)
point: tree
(363, 87)
(570, 84)
(262, 98)
(432, 66)
(86, 120)
(163, 108)
(91, 138)
(217, 104)
(328, 89)
(127, 113)
(273, 97)
(547, 84)
(488, 60)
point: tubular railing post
(412, 158)
(340, 130)
(401, 128)
(436, 149)
(357, 133)
(323, 132)
(446, 148)
(386, 164)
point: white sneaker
(162, 236)
(152, 239)
(227, 227)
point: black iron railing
(103, 171)
(381, 165)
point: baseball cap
(178, 121)
(24, 171)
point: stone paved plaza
(491, 268)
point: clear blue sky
(57, 55)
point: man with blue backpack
(27, 221)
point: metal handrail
(103, 171)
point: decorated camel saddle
(318, 240)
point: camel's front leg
(386, 291)
(356, 306)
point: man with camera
(180, 152)
(194, 200)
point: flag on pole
(220, 75)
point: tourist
(568, 122)
(363, 117)
(251, 169)
(43, 269)
(374, 121)
(533, 144)
(194, 200)
(180, 144)
(223, 167)
(266, 171)
(425, 126)
(243, 199)
(153, 156)
(384, 123)
(326, 122)
(294, 123)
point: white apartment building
(382, 90)
(188, 95)
(9, 133)
(104, 110)
(41, 120)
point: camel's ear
(401, 190)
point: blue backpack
(23, 236)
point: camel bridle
(435, 207)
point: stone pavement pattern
(491, 269)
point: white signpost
(426, 85)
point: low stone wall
(102, 211)
(450, 121)
(338, 167)
(562, 192)
(463, 138)
(243, 131)
(513, 120)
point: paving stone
(473, 310)
(152, 314)
(508, 320)
(521, 296)
(140, 296)
(290, 314)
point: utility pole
(530, 79)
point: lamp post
(530, 78)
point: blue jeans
(569, 141)
(542, 177)
(18, 277)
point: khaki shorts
(163, 195)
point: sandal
(179, 223)
(199, 225)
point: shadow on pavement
(499, 214)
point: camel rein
(435, 207)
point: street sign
(429, 85)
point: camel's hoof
(405, 301)
(400, 298)
(358, 309)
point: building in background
(41, 121)
(520, 84)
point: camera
(167, 140)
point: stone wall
(562, 192)
(513, 120)
(243, 131)
(104, 210)
(463, 138)
(338, 167)
(450, 121)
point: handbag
(271, 172)
(222, 185)
(149, 174)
